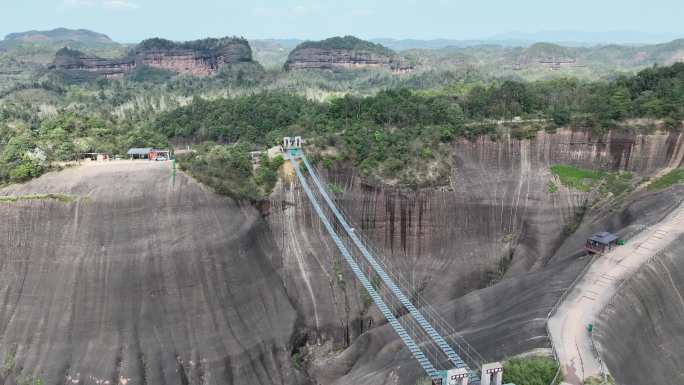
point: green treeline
(397, 134)
(347, 43)
(655, 92)
(394, 133)
(29, 150)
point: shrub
(552, 187)
(667, 180)
(227, 169)
(25, 170)
(536, 370)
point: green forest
(388, 135)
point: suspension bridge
(419, 327)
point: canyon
(163, 281)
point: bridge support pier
(492, 374)
(457, 376)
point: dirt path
(568, 326)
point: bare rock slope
(158, 283)
(139, 281)
(498, 223)
(641, 332)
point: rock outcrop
(345, 53)
(151, 282)
(161, 283)
(199, 58)
(640, 334)
(73, 61)
(500, 223)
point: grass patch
(339, 277)
(617, 183)
(534, 370)
(577, 178)
(599, 381)
(552, 187)
(64, 198)
(671, 178)
(335, 188)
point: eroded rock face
(330, 59)
(75, 61)
(141, 282)
(158, 283)
(199, 58)
(496, 220)
(641, 333)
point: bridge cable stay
(398, 328)
(441, 342)
(434, 318)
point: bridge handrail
(399, 329)
(472, 354)
(448, 351)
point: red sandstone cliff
(200, 58)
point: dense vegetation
(28, 151)
(673, 177)
(536, 370)
(347, 43)
(203, 45)
(228, 169)
(653, 92)
(395, 135)
(381, 134)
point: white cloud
(119, 4)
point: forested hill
(347, 43)
(387, 136)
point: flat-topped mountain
(72, 60)
(199, 57)
(345, 52)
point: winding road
(568, 327)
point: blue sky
(133, 20)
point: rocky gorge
(179, 285)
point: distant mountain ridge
(60, 34)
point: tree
(619, 104)
(561, 117)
